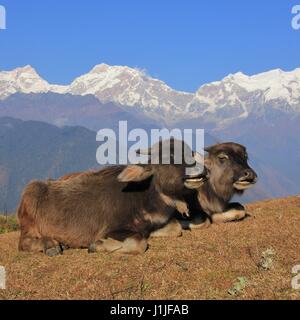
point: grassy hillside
(251, 259)
(8, 224)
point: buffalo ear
(135, 173)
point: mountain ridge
(234, 97)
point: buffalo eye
(223, 157)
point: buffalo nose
(249, 174)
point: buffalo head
(228, 174)
(169, 164)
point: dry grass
(203, 264)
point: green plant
(238, 286)
(8, 224)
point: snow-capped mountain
(119, 84)
(237, 96)
(132, 88)
(25, 80)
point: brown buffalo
(228, 174)
(115, 209)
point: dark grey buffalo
(228, 174)
(115, 209)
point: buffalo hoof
(92, 248)
(64, 247)
(54, 251)
(99, 246)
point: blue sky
(183, 42)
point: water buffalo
(228, 174)
(113, 209)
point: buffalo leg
(31, 244)
(30, 238)
(235, 212)
(52, 248)
(172, 229)
(197, 222)
(135, 244)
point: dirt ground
(251, 259)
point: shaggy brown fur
(81, 210)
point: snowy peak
(103, 77)
(105, 68)
(276, 84)
(24, 80)
(239, 95)
(29, 70)
(130, 87)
